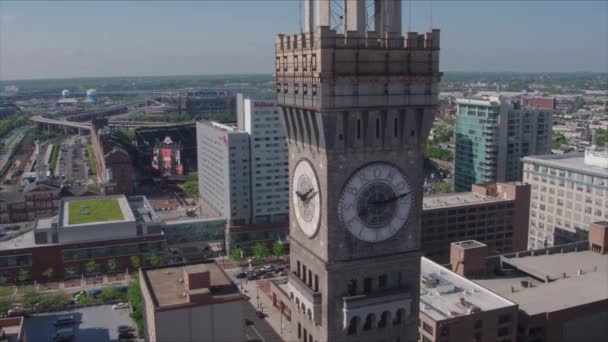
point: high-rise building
(569, 191)
(495, 214)
(492, 135)
(243, 167)
(358, 107)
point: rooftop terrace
(456, 199)
(78, 211)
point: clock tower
(357, 103)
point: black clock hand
(392, 199)
(307, 193)
(301, 196)
(308, 198)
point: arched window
(370, 322)
(384, 319)
(303, 308)
(297, 301)
(399, 316)
(353, 325)
(291, 296)
(309, 314)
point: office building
(243, 167)
(97, 229)
(113, 163)
(560, 291)
(12, 329)
(192, 302)
(547, 103)
(492, 134)
(454, 308)
(495, 214)
(357, 106)
(569, 191)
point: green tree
(191, 188)
(112, 264)
(91, 266)
(558, 140)
(23, 275)
(110, 293)
(135, 262)
(153, 260)
(30, 297)
(134, 298)
(235, 254)
(71, 271)
(260, 250)
(48, 274)
(278, 249)
(3, 280)
(443, 187)
(5, 304)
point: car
(94, 292)
(126, 336)
(65, 334)
(119, 306)
(64, 320)
(16, 312)
(268, 275)
(122, 288)
(124, 329)
(284, 273)
(241, 275)
(252, 277)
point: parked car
(65, 320)
(124, 329)
(268, 275)
(94, 292)
(65, 334)
(241, 275)
(252, 277)
(122, 288)
(119, 306)
(126, 336)
(16, 312)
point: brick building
(495, 214)
(539, 102)
(114, 164)
(66, 247)
(561, 291)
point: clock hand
(392, 199)
(301, 196)
(308, 198)
(307, 193)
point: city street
(71, 161)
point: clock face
(375, 202)
(306, 198)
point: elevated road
(60, 123)
(39, 119)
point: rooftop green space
(94, 210)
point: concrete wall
(96, 231)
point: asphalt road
(97, 323)
(260, 330)
(71, 162)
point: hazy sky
(52, 39)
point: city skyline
(40, 40)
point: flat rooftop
(526, 285)
(469, 244)
(457, 199)
(89, 211)
(165, 286)
(451, 295)
(569, 161)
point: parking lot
(96, 323)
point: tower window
(314, 89)
(358, 129)
(298, 271)
(304, 273)
(305, 89)
(278, 63)
(296, 88)
(295, 63)
(396, 127)
(352, 287)
(316, 283)
(367, 285)
(304, 63)
(309, 278)
(313, 60)
(278, 87)
(377, 128)
(382, 281)
(385, 88)
(284, 63)
(285, 88)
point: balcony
(396, 301)
(306, 300)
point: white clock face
(306, 198)
(375, 202)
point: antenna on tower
(409, 16)
(301, 28)
(431, 15)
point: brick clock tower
(358, 105)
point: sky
(63, 39)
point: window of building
(305, 89)
(284, 63)
(296, 65)
(314, 89)
(428, 328)
(503, 331)
(352, 287)
(382, 281)
(445, 331)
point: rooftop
(444, 294)
(469, 244)
(569, 161)
(78, 211)
(576, 278)
(167, 287)
(456, 199)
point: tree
(153, 260)
(443, 187)
(23, 275)
(112, 264)
(278, 249)
(29, 297)
(91, 266)
(134, 298)
(260, 250)
(191, 188)
(70, 271)
(135, 262)
(558, 140)
(3, 280)
(235, 254)
(109, 293)
(48, 274)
